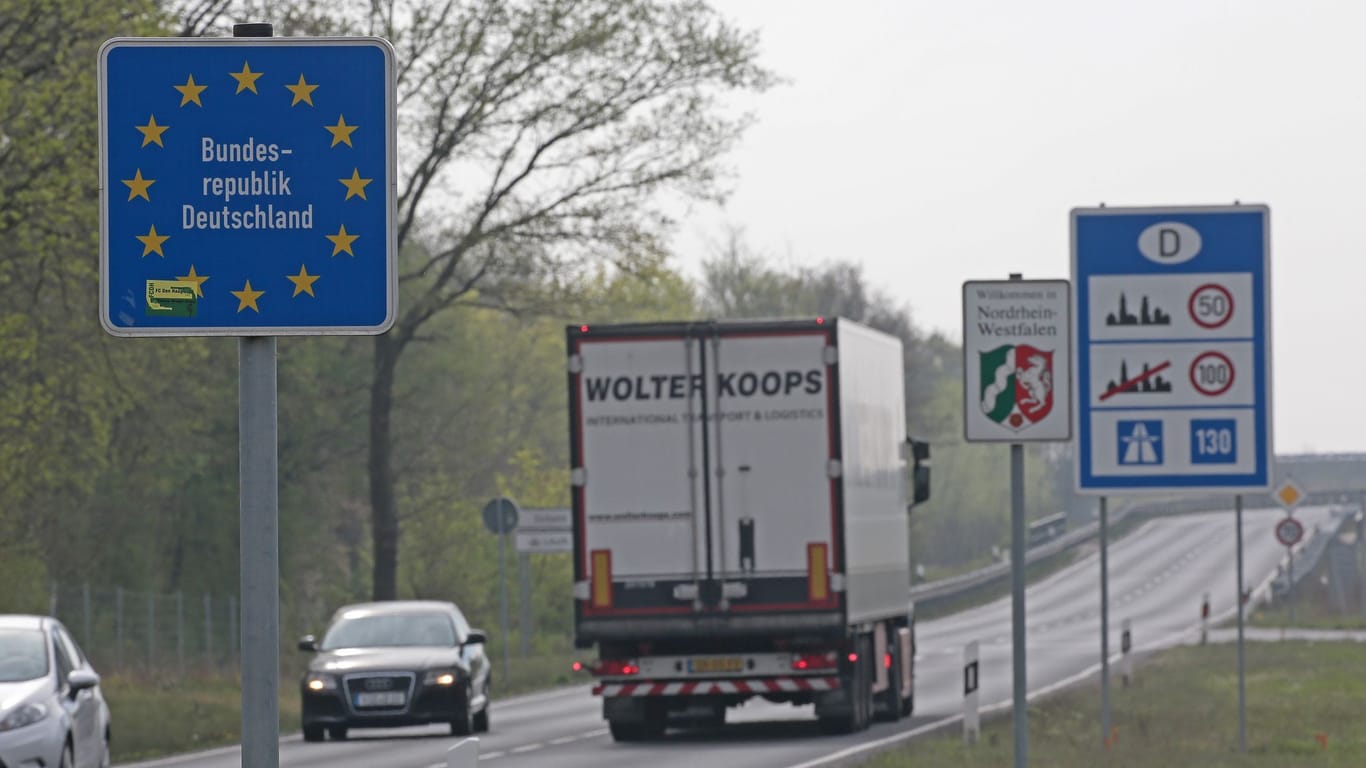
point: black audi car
(394, 663)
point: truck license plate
(381, 699)
(713, 664)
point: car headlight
(24, 714)
(319, 683)
(441, 677)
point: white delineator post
(1204, 619)
(1126, 660)
(972, 721)
(463, 755)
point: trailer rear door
(706, 471)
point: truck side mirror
(920, 471)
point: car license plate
(710, 665)
(381, 699)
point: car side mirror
(308, 643)
(82, 679)
(476, 636)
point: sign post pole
(524, 619)
(503, 602)
(1242, 668)
(259, 535)
(1017, 603)
(501, 516)
(260, 560)
(1104, 623)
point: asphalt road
(1158, 575)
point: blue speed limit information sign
(1171, 312)
(247, 186)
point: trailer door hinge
(836, 582)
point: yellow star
(137, 186)
(246, 79)
(342, 241)
(152, 132)
(247, 298)
(303, 282)
(355, 185)
(341, 132)
(198, 281)
(151, 242)
(190, 92)
(302, 92)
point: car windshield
(23, 655)
(391, 630)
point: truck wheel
(626, 732)
(888, 706)
(860, 686)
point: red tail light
(809, 661)
(616, 667)
(887, 660)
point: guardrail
(928, 593)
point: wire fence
(125, 630)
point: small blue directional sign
(247, 186)
(1172, 321)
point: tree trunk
(383, 511)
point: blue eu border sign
(1172, 321)
(247, 186)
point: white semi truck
(741, 493)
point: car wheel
(463, 724)
(68, 757)
(105, 760)
(337, 732)
(313, 733)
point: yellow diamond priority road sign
(1289, 494)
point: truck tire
(888, 707)
(648, 729)
(859, 683)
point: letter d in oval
(1169, 242)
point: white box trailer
(740, 501)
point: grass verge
(160, 716)
(1303, 709)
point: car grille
(379, 683)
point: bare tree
(538, 139)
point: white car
(52, 713)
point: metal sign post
(1104, 622)
(1242, 601)
(500, 517)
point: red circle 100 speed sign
(1289, 531)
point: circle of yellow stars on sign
(248, 81)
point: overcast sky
(937, 142)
